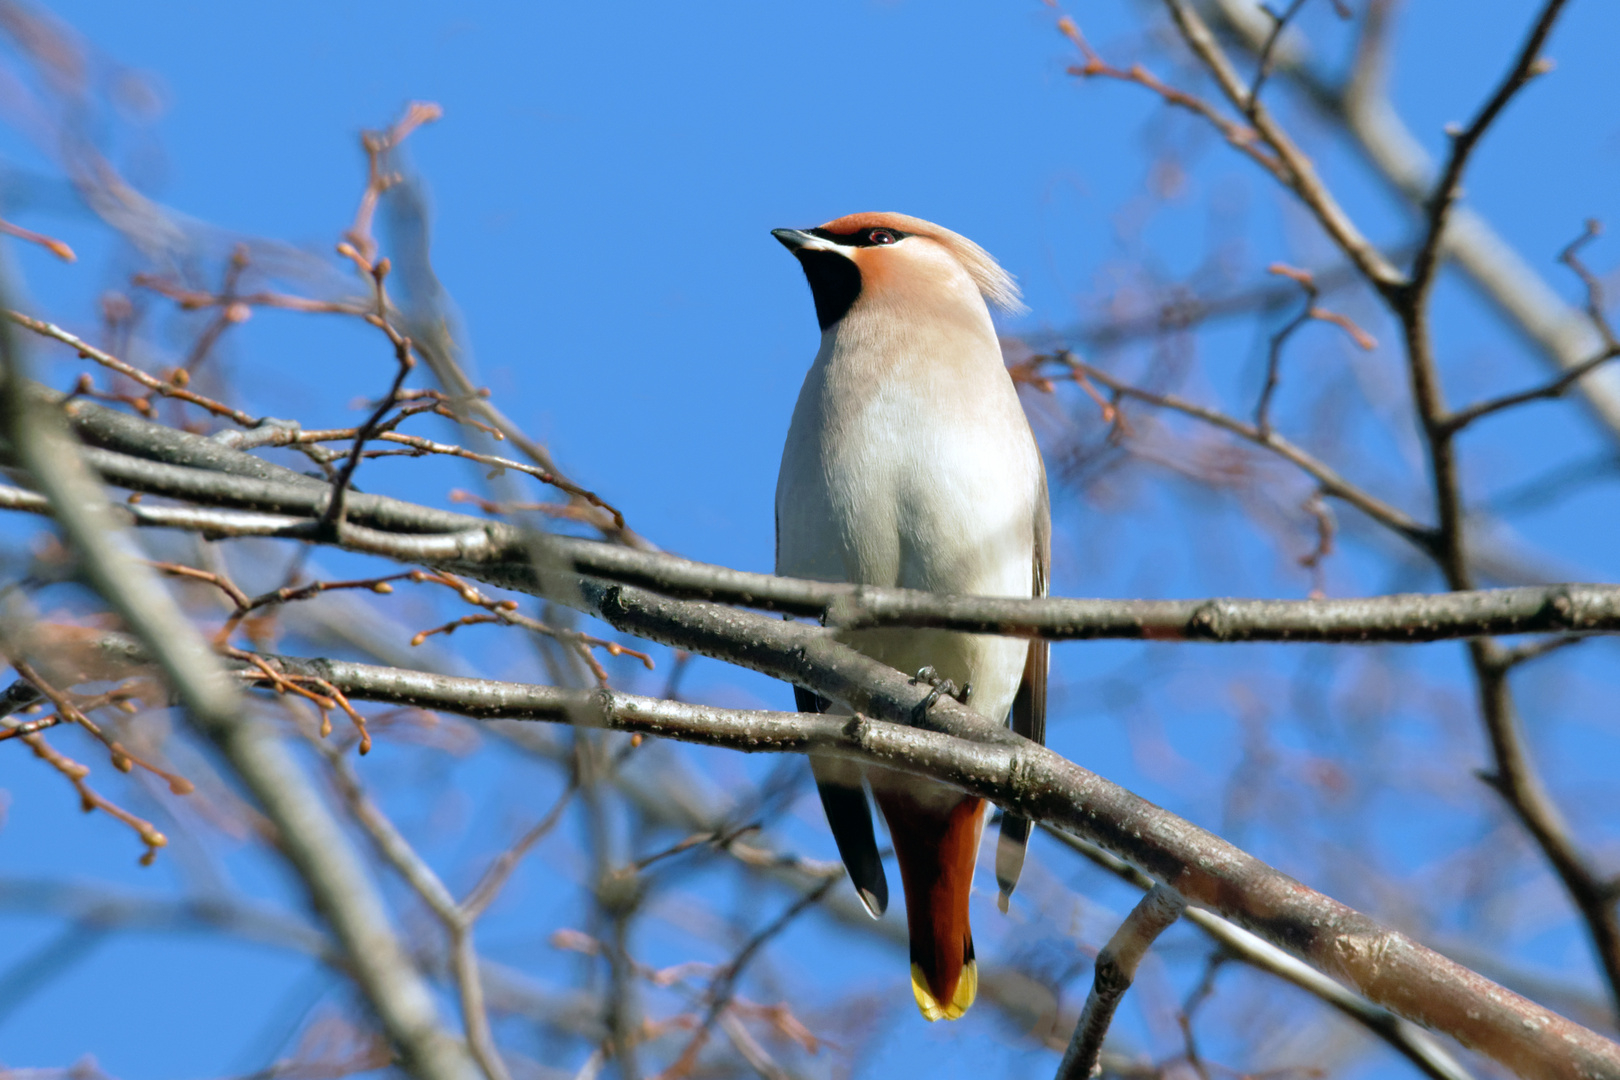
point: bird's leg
(939, 686)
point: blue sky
(604, 181)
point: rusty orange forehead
(877, 219)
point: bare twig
(1303, 278)
(311, 840)
(168, 388)
(457, 919)
(1595, 310)
(1114, 970)
(333, 517)
(1331, 482)
(1527, 66)
(1240, 136)
(1296, 170)
(1412, 1042)
(724, 985)
(1262, 67)
(55, 247)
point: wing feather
(1028, 708)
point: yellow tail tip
(967, 988)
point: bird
(909, 462)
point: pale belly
(945, 510)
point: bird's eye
(881, 236)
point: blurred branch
(1182, 310)
(310, 837)
(1331, 482)
(723, 987)
(428, 323)
(101, 909)
(1298, 174)
(1560, 333)
(457, 919)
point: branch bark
(1115, 969)
(964, 749)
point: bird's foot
(939, 686)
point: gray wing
(1028, 708)
(849, 811)
(849, 814)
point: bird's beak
(793, 239)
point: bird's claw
(939, 686)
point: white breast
(909, 462)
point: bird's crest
(996, 285)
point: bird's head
(878, 261)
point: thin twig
(1240, 136)
(724, 984)
(1296, 170)
(1406, 1038)
(151, 382)
(1114, 970)
(1262, 68)
(333, 518)
(1307, 283)
(1331, 482)
(1526, 67)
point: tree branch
(310, 837)
(968, 751)
(1563, 335)
(1409, 1040)
(1446, 192)
(1114, 970)
(1302, 178)
(1402, 618)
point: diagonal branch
(1416, 1045)
(1115, 969)
(1527, 66)
(309, 835)
(1362, 105)
(1332, 483)
(1301, 176)
(968, 751)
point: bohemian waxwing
(909, 462)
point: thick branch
(1387, 967)
(498, 552)
(1515, 778)
(1412, 1042)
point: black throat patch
(835, 282)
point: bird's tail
(936, 848)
